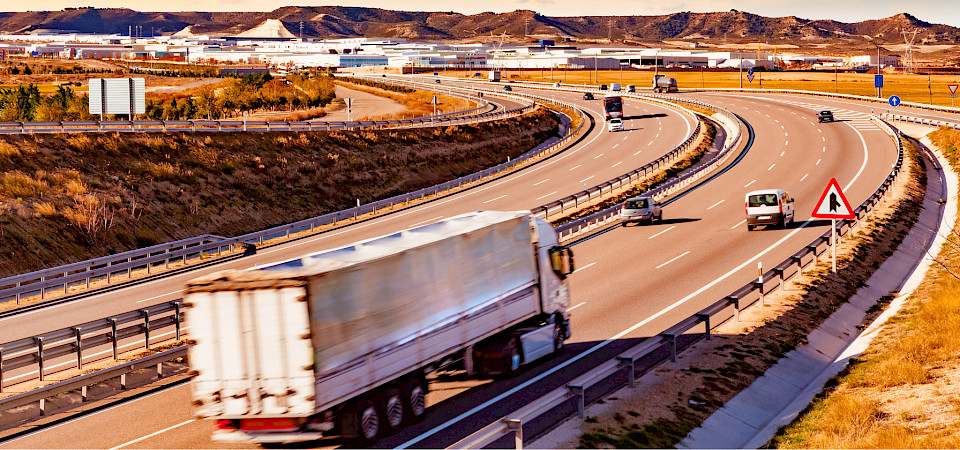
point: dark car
(603, 87)
(824, 116)
(587, 96)
(507, 88)
(438, 81)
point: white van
(769, 207)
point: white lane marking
(776, 120)
(625, 137)
(768, 115)
(587, 178)
(781, 153)
(157, 296)
(818, 130)
(771, 166)
(615, 145)
(786, 134)
(494, 199)
(649, 143)
(716, 204)
(805, 177)
(823, 138)
(541, 182)
(818, 161)
(425, 221)
(824, 149)
(617, 164)
(739, 223)
(674, 259)
(544, 196)
(664, 231)
(153, 434)
(637, 153)
(576, 306)
(748, 184)
(786, 142)
(595, 157)
(576, 166)
(584, 267)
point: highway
(631, 282)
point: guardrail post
(176, 318)
(759, 286)
(77, 333)
(146, 328)
(517, 427)
(577, 390)
(672, 340)
(799, 262)
(123, 381)
(113, 336)
(628, 362)
(39, 340)
(780, 273)
(159, 370)
(43, 406)
(705, 318)
(83, 394)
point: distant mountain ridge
(345, 22)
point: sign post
(833, 205)
(953, 93)
(434, 102)
(349, 102)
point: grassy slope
(66, 198)
(903, 392)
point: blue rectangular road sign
(878, 81)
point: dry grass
(909, 87)
(65, 199)
(674, 398)
(417, 102)
(908, 380)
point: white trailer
(340, 342)
(493, 75)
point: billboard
(117, 96)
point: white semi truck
(340, 342)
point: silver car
(640, 209)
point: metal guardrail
(920, 121)
(607, 215)
(143, 126)
(37, 351)
(742, 298)
(63, 278)
(82, 382)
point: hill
(521, 25)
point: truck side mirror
(557, 264)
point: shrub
(20, 185)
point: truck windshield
(613, 104)
(636, 204)
(762, 200)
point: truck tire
(511, 366)
(391, 403)
(557, 339)
(360, 424)
(415, 399)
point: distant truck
(340, 342)
(663, 83)
(615, 87)
(493, 75)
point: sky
(844, 10)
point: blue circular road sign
(894, 101)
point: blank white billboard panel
(117, 96)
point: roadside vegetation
(418, 102)
(919, 88)
(903, 392)
(67, 198)
(675, 398)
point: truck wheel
(391, 403)
(415, 399)
(512, 364)
(750, 227)
(361, 423)
(557, 339)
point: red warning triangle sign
(833, 204)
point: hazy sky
(944, 12)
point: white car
(769, 207)
(615, 125)
(640, 209)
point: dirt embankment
(67, 198)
